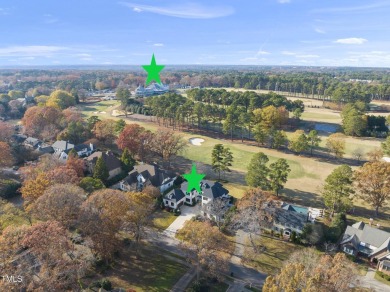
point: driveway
(187, 213)
(370, 282)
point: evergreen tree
(127, 160)
(120, 125)
(222, 158)
(278, 139)
(257, 175)
(313, 140)
(338, 188)
(278, 173)
(100, 171)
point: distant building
(153, 89)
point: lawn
(306, 176)
(210, 286)
(312, 116)
(162, 219)
(95, 109)
(380, 279)
(271, 260)
(151, 271)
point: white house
(174, 199)
(83, 150)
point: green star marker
(153, 71)
(193, 179)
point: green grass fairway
(317, 116)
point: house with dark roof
(174, 199)
(147, 174)
(61, 146)
(45, 148)
(287, 217)
(366, 240)
(32, 142)
(113, 164)
(83, 150)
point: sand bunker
(196, 141)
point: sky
(229, 32)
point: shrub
(105, 284)
(9, 188)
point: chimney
(91, 146)
(66, 145)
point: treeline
(243, 114)
(338, 85)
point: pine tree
(127, 160)
(222, 158)
(258, 171)
(279, 171)
(338, 188)
(100, 171)
(313, 139)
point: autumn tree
(90, 184)
(336, 144)
(313, 140)
(278, 173)
(167, 144)
(34, 188)
(101, 218)
(204, 247)
(298, 142)
(63, 174)
(375, 154)
(314, 273)
(139, 210)
(76, 163)
(60, 202)
(105, 131)
(43, 122)
(130, 138)
(338, 190)
(6, 131)
(100, 171)
(61, 99)
(372, 181)
(6, 158)
(221, 159)
(257, 175)
(60, 267)
(216, 208)
(251, 215)
(386, 146)
(137, 139)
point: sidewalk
(184, 281)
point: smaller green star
(153, 71)
(193, 179)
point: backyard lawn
(162, 219)
(151, 271)
(271, 260)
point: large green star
(153, 71)
(193, 179)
